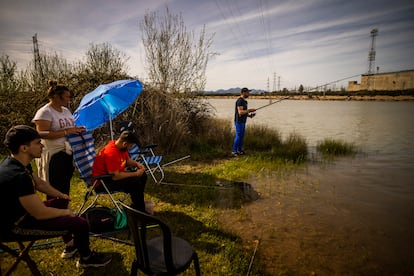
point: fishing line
(198, 186)
(319, 86)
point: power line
(236, 30)
(267, 34)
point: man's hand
(70, 213)
(64, 196)
(140, 166)
(140, 171)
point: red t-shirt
(109, 160)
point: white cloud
(304, 42)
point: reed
(332, 147)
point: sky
(261, 44)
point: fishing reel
(252, 114)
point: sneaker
(241, 153)
(234, 154)
(69, 252)
(94, 260)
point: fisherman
(240, 117)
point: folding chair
(20, 236)
(151, 161)
(145, 155)
(84, 154)
(161, 255)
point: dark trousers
(134, 186)
(77, 226)
(60, 172)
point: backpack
(100, 219)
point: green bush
(294, 148)
(333, 147)
(262, 138)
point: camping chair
(163, 255)
(84, 154)
(145, 155)
(22, 253)
(151, 161)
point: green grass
(332, 147)
(188, 210)
(190, 203)
(216, 143)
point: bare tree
(176, 59)
(103, 64)
(8, 72)
(105, 60)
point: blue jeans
(238, 140)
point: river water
(352, 215)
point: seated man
(114, 159)
(21, 208)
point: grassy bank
(194, 193)
(188, 204)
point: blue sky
(308, 42)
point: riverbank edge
(325, 98)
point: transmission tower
(274, 82)
(268, 88)
(371, 54)
(278, 83)
(38, 64)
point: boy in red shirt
(114, 159)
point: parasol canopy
(106, 102)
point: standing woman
(53, 122)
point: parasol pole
(110, 126)
(110, 119)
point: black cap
(126, 125)
(129, 137)
(19, 135)
(244, 89)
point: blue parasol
(106, 102)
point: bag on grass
(100, 219)
(120, 221)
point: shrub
(336, 147)
(294, 148)
(262, 138)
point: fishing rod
(252, 114)
(271, 103)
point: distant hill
(235, 90)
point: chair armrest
(140, 152)
(151, 146)
(104, 176)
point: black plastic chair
(22, 254)
(161, 255)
